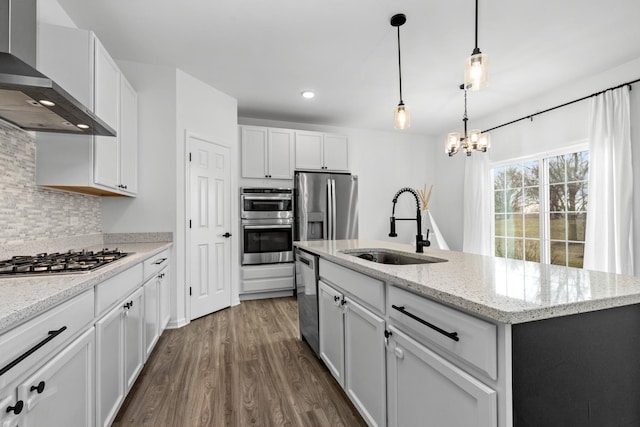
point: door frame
(235, 225)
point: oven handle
(264, 227)
(284, 197)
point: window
(540, 209)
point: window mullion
(545, 231)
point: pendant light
(476, 69)
(470, 142)
(401, 116)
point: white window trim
(545, 252)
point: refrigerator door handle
(333, 209)
(329, 210)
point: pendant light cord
(476, 47)
(399, 66)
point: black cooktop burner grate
(59, 262)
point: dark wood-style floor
(242, 366)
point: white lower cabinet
(119, 355)
(331, 320)
(352, 347)
(151, 314)
(424, 389)
(165, 298)
(60, 394)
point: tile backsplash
(29, 212)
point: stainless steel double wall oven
(267, 225)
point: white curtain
(609, 229)
(477, 205)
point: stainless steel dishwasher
(307, 293)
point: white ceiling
(264, 53)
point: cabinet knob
(336, 298)
(17, 408)
(39, 388)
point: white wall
(209, 114)
(170, 103)
(547, 131)
(384, 163)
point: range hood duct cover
(22, 86)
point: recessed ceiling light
(47, 103)
(83, 126)
(307, 94)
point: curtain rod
(531, 116)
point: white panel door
(209, 251)
(134, 349)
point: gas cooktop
(70, 262)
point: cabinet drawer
(366, 289)
(477, 339)
(116, 288)
(45, 330)
(267, 271)
(156, 263)
(268, 284)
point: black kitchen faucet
(420, 242)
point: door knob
(226, 235)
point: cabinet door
(106, 85)
(426, 390)
(107, 101)
(128, 137)
(165, 299)
(309, 150)
(9, 404)
(254, 151)
(331, 330)
(134, 338)
(280, 154)
(365, 370)
(336, 152)
(109, 365)
(151, 314)
(60, 394)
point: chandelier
(474, 140)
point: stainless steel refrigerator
(326, 206)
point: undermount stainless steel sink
(392, 257)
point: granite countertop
(503, 290)
(22, 298)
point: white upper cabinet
(321, 151)
(98, 165)
(266, 152)
(106, 85)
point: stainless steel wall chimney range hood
(28, 98)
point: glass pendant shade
(401, 117)
(484, 142)
(452, 143)
(476, 71)
(474, 139)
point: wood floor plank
(242, 366)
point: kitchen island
(559, 346)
